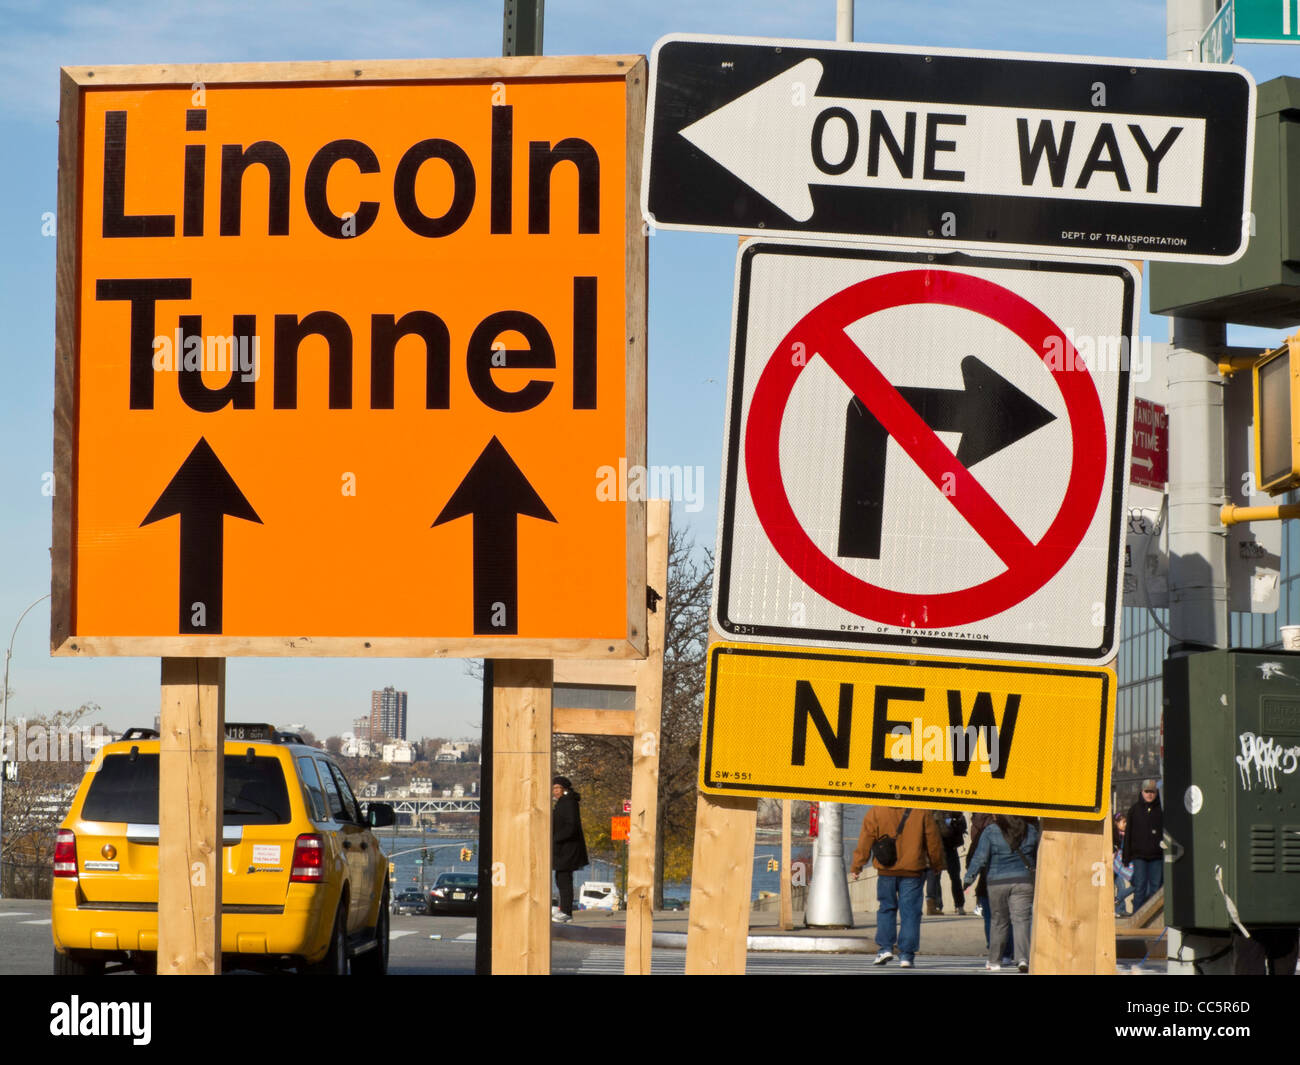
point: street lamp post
(4, 726)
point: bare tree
(47, 762)
(601, 766)
(686, 638)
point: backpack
(885, 849)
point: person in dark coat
(568, 847)
(1142, 844)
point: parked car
(598, 895)
(454, 893)
(410, 901)
(304, 883)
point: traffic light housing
(466, 854)
(1276, 377)
(1263, 286)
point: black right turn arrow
(202, 493)
(496, 493)
(989, 412)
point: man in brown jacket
(899, 886)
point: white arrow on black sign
(1009, 151)
(949, 148)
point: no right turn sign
(926, 452)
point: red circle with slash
(1029, 565)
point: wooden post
(1105, 950)
(191, 776)
(722, 875)
(649, 675)
(1074, 899)
(521, 816)
(787, 903)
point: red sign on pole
(1150, 464)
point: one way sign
(949, 148)
(926, 452)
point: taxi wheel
(335, 962)
(80, 965)
(375, 962)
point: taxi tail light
(308, 866)
(65, 853)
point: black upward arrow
(202, 493)
(497, 494)
(989, 412)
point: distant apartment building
(361, 727)
(420, 787)
(453, 752)
(399, 752)
(356, 747)
(388, 714)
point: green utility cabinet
(1232, 788)
(1263, 286)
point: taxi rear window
(126, 789)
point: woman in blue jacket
(1007, 849)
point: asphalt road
(422, 945)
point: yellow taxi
(304, 882)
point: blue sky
(691, 275)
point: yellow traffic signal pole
(1229, 514)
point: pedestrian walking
(1006, 851)
(952, 831)
(568, 847)
(1123, 871)
(1143, 844)
(901, 845)
(978, 823)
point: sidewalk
(950, 936)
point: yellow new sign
(1010, 737)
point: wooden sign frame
(76, 82)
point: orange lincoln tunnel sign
(345, 353)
